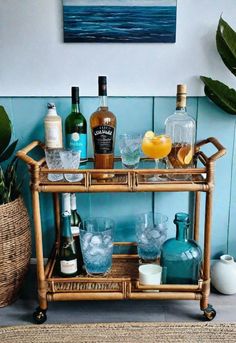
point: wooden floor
(20, 312)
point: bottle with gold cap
(181, 128)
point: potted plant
(15, 233)
(217, 91)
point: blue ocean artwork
(130, 21)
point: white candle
(150, 274)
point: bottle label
(78, 142)
(75, 230)
(103, 139)
(68, 267)
(52, 135)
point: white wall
(35, 61)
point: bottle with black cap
(103, 127)
(76, 127)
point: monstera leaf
(220, 94)
(217, 91)
(226, 45)
(5, 130)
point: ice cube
(86, 240)
(96, 240)
(107, 240)
(154, 234)
(143, 239)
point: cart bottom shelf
(121, 283)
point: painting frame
(119, 21)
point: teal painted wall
(138, 114)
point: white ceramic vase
(223, 275)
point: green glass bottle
(76, 127)
(181, 257)
(67, 252)
(76, 225)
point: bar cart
(122, 282)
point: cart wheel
(209, 313)
(39, 316)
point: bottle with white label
(69, 205)
(67, 252)
(53, 128)
(76, 127)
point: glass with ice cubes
(96, 239)
(151, 232)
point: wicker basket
(15, 249)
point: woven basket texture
(15, 249)
(121, 332)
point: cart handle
(22, 154)
(221, 150)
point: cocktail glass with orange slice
(157, 147)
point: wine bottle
(67, 251)
(76, 127)
(103, 127)
(76, 224)
(52, 128)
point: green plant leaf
(220, 94)
(226, 45)
(5, 130)
(8, 152)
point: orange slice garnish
(185, 154)
(149, 135)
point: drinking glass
(96, 239)
(157, 147)
(130, 149)
(71, 160)
(151, 232)
(53, 160)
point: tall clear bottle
(76, 127)
(67, 252)
(103, 127)
(52, 128)
(181, 128)
(181, 257)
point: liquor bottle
(181, 257)
(76, 127)
(181, 128)
(67, 251)
(69, 206)
(53, 128)
(103, 127)
(76, 225)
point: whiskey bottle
(103, 127)
(181, 128)
(67, 251)
(76, 127)
(53, 128)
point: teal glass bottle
(181, 257)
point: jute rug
(120, 332)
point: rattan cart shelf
(122, 282)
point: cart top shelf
(119, 179)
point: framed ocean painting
(131, 21)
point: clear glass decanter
(181, 128)
(181, 257)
